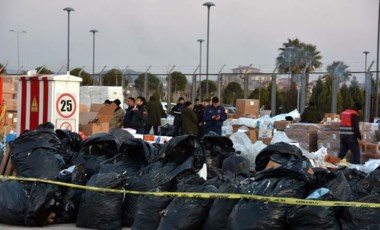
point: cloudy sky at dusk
(162, 33)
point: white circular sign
(66, 105)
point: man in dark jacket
(189, 120)
(176, 112)
(199, 109)
(350, 133)
(214, 117)
(155, 112)
(311, 114)
(136, 116)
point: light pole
(68, 9)
(200, 67)
(93, 31)
(208, 4)
(18, 45)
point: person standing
(176, 112)
(189, 120)
(311, 114)
(199, 110)
(118, 115)
(129, 118)
(155, 112)
(350, 133)
(136, 116)
(214, 116)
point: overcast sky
(162, 33)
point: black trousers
(148, 127)
(349, 142)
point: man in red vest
(349, 133)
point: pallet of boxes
(250, 108)
(370, 141)
(329, 136)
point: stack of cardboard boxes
(305, 134)
(247, 108)
(96, 120)
(328, 137)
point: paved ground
(48, 227)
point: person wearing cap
(350, 134)
(107, 102)
(214, 116)
(176, 112)
(118, 115)
(199, 110)
(189, 120)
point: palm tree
(299, 58)
(338, 71)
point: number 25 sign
(66, 105)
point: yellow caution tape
(283, 200)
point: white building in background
(256, 78)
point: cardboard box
(265, 133)
(247, 107)
(265, 140)
(251, 133)
(331, 117)
(95, 121)
(281, 125)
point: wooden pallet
(6, 167)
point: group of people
(198, 119)
(191, 119)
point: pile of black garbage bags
(118, 161)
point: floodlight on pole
(208, 4)
(68, 9)
(18, 45)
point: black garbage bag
(94, 150)
(362, 218)
(217, 148)
(35, 153)
(121, 134)
(179, 149)
(371, 182)
(68, 208)
(101, 210)
(70, 144)
(41, 207)
(301, 217)
(354, 177)
(167, 130)
(187, 213)
(13, 200)
(235, 170)
(155, 176)
(139, 151)
(335, 188)
(181, 156)
(284, 154)
(291, 180)
(149, 211)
